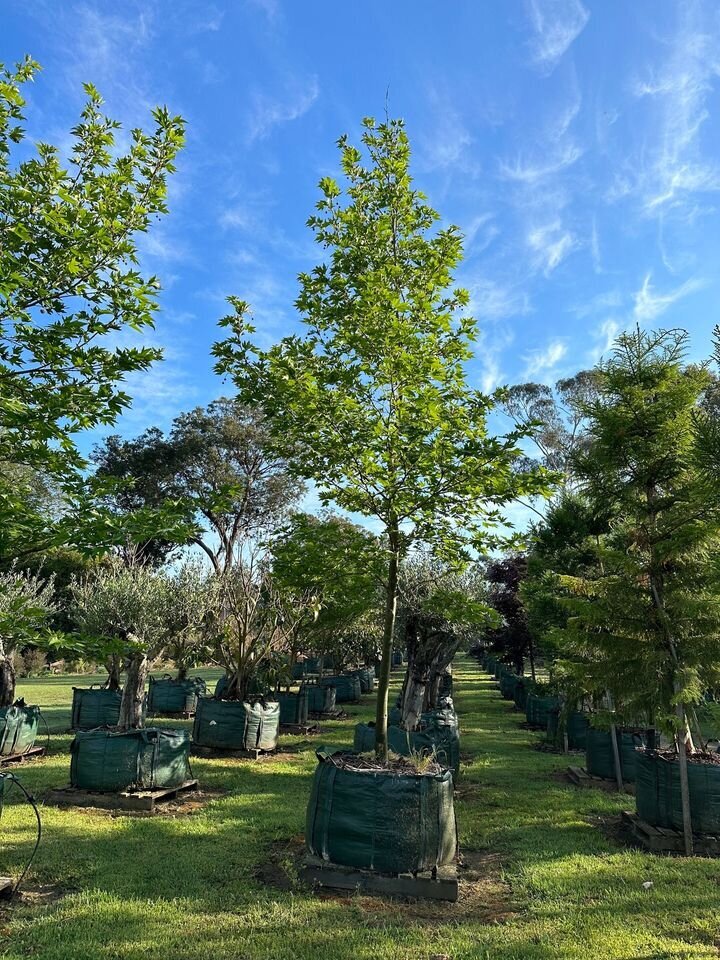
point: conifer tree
(645, 621)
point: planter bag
(18, 729)
(658, 799)
(347, 688)
(523, 689)
(95, 707)
(234, 725)
(293, 706)
(444, 744)
(441, 717)
(366, 678)
(394, 716)
(508, 683)
(599, 760)
(538, 708)
(304, 668)
(110, 761)
(490, 664)
(169, 695)
(321, 699)
(380, 821)
(446, 685)
(577, 728)
(396, 659)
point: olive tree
(26, 606)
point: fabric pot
(321, 699)
(18, 729)
(366, 678)
(397, 658)
(538, 708)
(658, 797)
(382, 821)
(508, 683)
(523, 688)
(599, 759)
(347, 688)
(442, 743)
(234, 725)
(95, 707)
(169, 695)
(446, 685)
(131, 760)
(294, 706)
(304, 668)
(575, 725)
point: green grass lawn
(544, 880)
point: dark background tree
(512, 638)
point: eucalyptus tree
(70, 290)
(372, 400)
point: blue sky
(576, 143)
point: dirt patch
(32, 895)
(484, 895)
(184, 805)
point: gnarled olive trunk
(7, 680)
(113, 667)
(131, 705)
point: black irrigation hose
(31, 800)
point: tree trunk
(113, 669)
(616, 758)
(7, 680)
(182, 673)
(381, 716)
(682, 745)
(413, 702)
(531, 657)
(131, 705)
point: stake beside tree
(373, 402)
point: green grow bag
(294, 706)
(658, 799)
(18, 729)
(397, 658)
(538, 708)
(523, 689)
(576, 727)
(95, 707)
(599, 760)
(395, 716)
(377, 820)
(441, 717)
(444, 743)
(508, 683)
(321, 700)
(304, 668)
(366, 678)
(234, 725)
(169, 695)
(490, 664)
(446, 685)
(347, 688)
(131, 760)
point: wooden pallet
(219, 753)
(666, 840)
(142, 800)
(439, 884)
(34, 753)
(336, 714)
(581, 778)
(300, 729)
(172, 714)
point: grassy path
(541, 882)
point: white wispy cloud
(544, 360)
(604, 335)
(600, 303)
(556, 25)
(680, 92)
(649, 305)
(550, 244)
(448, 145)
(270, 8)
(479, 233)
(268, 112)
(494, 300)
(530, 171)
